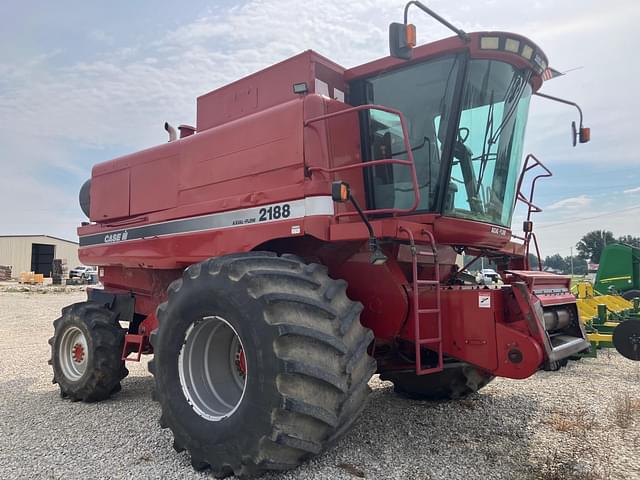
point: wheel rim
(73, 353)
(212, 368)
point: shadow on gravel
(471, 438)
(396, 438)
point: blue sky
(82, 82)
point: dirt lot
(580, 423)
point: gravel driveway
(580, 423)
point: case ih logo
(116, 237)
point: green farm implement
(619, 271)
(610, 321)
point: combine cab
(304, 236)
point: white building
(35, 253)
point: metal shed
(35, 253)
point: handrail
(532, 208)
(520, 196)
(409, 162)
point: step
(428, 310)
(421, 371)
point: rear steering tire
(86, 350)
(452, 383)
(260, 362)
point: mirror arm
(561, 100)
(461, 33)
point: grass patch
(578, 421)
(626, 410)
(571, 465)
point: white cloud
(559, 237)
(572, 203)
(632, 190)
(120, 100)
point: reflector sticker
(484, 301)
(304, 207)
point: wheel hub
(78, 353)
(241, 365)
(73, 354)
(212, 368)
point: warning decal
(484, 301)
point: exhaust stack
(173, 135)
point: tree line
(589, 249)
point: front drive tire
(260, 362)
(453, 383)
(86, 352)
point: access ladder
(434, 343)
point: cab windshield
(468, 163)
(488, 143)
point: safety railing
(530, 163)
(409, 163)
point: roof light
(489, 43)
(512, 45)
(539, 63)
(534, 57)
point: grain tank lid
(269, 87)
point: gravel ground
(580, 423)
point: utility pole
(571, 257)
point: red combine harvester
(304, 236)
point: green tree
(556, 262)
(630, 240)
(579, 265)
(591, 245)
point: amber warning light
(411, 35)
(340, 192)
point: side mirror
(402, 39)
(340, 192)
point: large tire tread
(452, 383)
(103, 379)
(322, 350)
